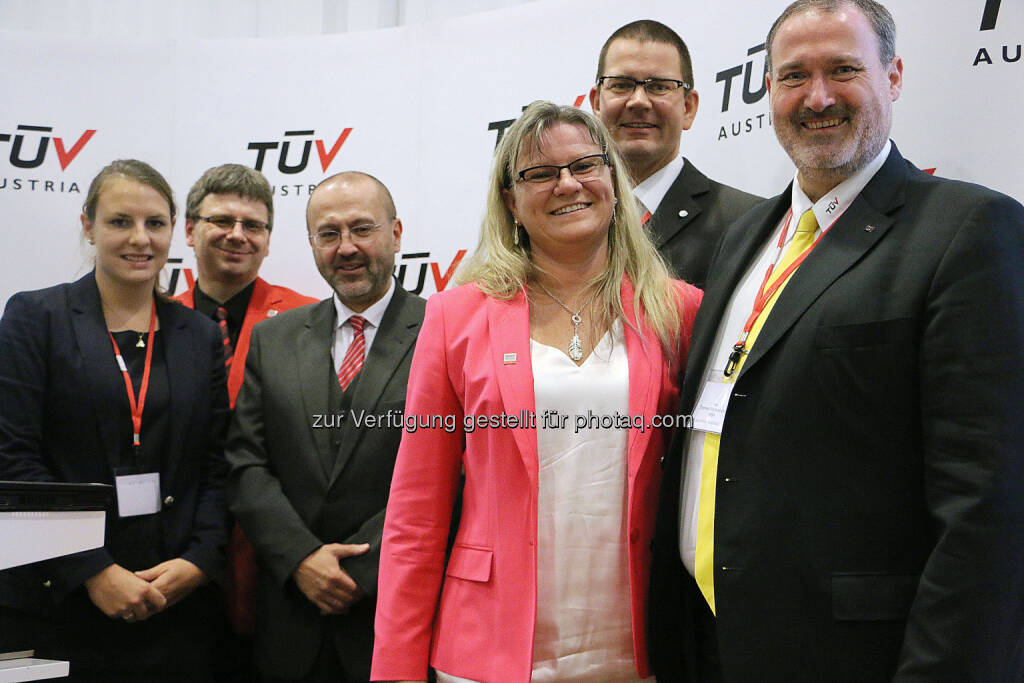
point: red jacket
(267, 301)
(240, 577)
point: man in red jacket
(229, 215)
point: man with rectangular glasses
(314, 438)
(644, 95)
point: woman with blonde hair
(546, 379)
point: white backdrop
(420, 104)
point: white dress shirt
(344, 333)
(651, 191)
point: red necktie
(353, 362)
(222, 321)
(646, 217)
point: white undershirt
(827, 210)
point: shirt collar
(834, 203)
(653, 189)
(235, 306)
(373, 315)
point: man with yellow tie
(850, 500)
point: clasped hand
(322, 580)
(136, 596)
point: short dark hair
(133, 169)
(231, 179)
(649, 31)
(881, 22)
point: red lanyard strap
(137, 406)
(765, 292)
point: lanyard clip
(734, 358)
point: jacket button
(47, 584)
(168, 501)
(634, 535)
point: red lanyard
(137, 406)
(766, 292)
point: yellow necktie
(704, 563)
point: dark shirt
(136, 542)
(235, 306)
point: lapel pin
(869, 228)
(509, 359)
(271, 313)
(684, 213)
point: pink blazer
(473, 359)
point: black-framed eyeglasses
(328, 237)
(583, 169)
(623, 86)
(227, 223)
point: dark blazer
(295, 486)
(870, 493)
(691, 219)
(56, 369)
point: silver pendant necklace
(575, 344)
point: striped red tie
(353, 362)
(222, 321)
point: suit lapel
(856, 232)
(254, 312)
(398, 331)
(679, 206)
(739, 247)
(315, 370)
(643, 353)
(180, 349)
(93, 341)
(508, 323)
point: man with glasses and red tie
(316, 428)
(229, 215)
(644, 95)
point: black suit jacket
(870, 492)
(57, 370)
(691, 219)
(296, 485)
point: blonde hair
(501, 268)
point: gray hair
(878, 16)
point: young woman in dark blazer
(101, 379)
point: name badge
(138, 494)
(709, 413)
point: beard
(856, 141)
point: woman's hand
(174, 578)
(120, 594)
